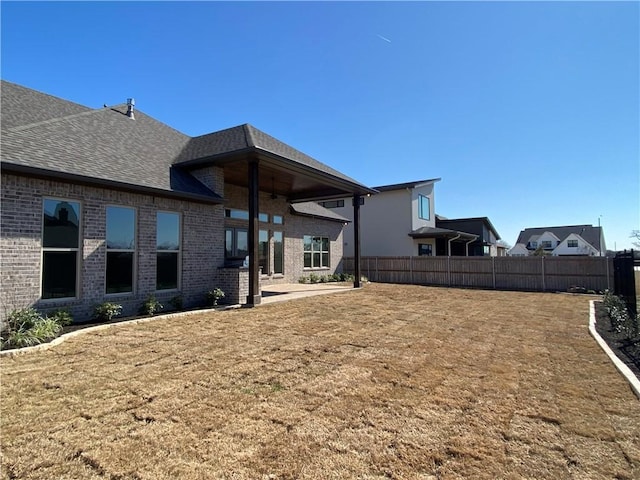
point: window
(236, 243)
(278, 219)
(332, 204)
(263, 251)
(121, 249)
(60, 248)
(168, 251)
(278, 253)
(316, 252)
(534, 244)
(546, 244)
(244, 215)
(423, 207)
(425, 249)
(572, 243)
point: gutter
(451, 240)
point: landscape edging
(619, 364)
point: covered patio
(259, 162)
(448, 236)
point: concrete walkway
(290, 291)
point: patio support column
(254, 297)
(356, 240)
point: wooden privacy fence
(501, 273)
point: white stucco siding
(582, 248)
(519, 250)
(548, 237)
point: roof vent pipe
(130, 104)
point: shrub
(303, 280)
(621, 320)
(314, 278)
(26, 327)
(151, 306)
(62, 316)
(177, 302)
(213, 296)
(105, 311)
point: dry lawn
(386, 382)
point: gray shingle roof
(218, 145)
(590, 233)
(312, 209)
(402, 186)
(23, 106)
(435, 232)
(48, 134)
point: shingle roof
(589, 233)
(218, 145)
(23, 106)
(312, 209)
(48, 134)
(435, 232)
(402, 186)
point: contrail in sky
(384, 38)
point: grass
(385, 382)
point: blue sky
(528, 111)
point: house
(560, 241)
(109, 204)
(400, 220)
(485, 243)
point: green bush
(213, 296)
(303, 280)
(314, 278)
(62, 316)
(621, 320)
(26, 327)
(151, 306)
(106, 311)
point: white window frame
(77, 249)
(134, 267)
(569, 242)
(178, 252)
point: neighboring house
(110, 204)
(561, 241)
(485, 243)
(400, 220)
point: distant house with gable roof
(584, 240)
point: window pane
(423, 207)
(121, 228)
(167, 271)
(317, 244)
(61, 224)
(237, 214)
(316, 259)
(59, 273)
(120, 272)
(325, 244)
(307, 260)
(278, 219)
(263, 217)
(228, 243)
(242, 243)
(263, 250)
(307, 243)
(168, 233)
(278, 251)
(325, 259)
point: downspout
(466, 247)
(451, 240)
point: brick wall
(21, 239)
(202, 244)
(294, 228)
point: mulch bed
(626, 350)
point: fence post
(543, 282)
(493, 271)
(449, 269)
(411, 269)
(377, 274)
